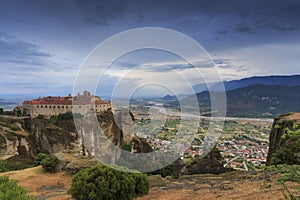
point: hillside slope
(265, 80)
(258, 100)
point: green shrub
(12, 166)
(49, 163)
(40, 117)
(141, 184)
(166, 171)
(126, 147)
(101, 182)
(39, 158)
(65, 116)
(9, 190)
(289, 173)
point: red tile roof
(64, 101)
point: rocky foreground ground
(233, 185)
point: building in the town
(50, 105)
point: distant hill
(265, 80)
(10, 103)
(258, 100)
(169, 97)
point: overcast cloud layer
(43, 43)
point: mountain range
(257, 100)
(265, 96)
(265, 80)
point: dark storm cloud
(236, 15)
(275, 14)
(249, 35)
(15, 51)
(244, 28)
(101, 12)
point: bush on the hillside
(6, 166)
(49, 163)
(289, 173)
(166, 171)
(101, 182)
(65, 116)
(141, 184)
(40, 117)
(39, 158)
(9, 190)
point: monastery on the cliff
(48, 106)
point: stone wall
(47, 110)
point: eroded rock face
(13, 139)
(211, 164)
(51, 137)
(277, 141)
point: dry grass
(233, 185)
(39, 183)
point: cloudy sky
(44, 43)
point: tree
(39, 158)
(101, 183)
(49, 163)
(1, 111)
(9, 190)
(19, 112)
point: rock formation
(210, 164)
(281, 145)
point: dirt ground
(233, 185)
(44, 185)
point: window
(53, 106)
(41, 106)
(49, 106)
(46, 106)
(62, 106)
(58, 106)
(67, 106)
(37, 106)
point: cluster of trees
(16, 112)
(102, 182)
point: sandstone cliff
(14, 139)
(284, 148)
